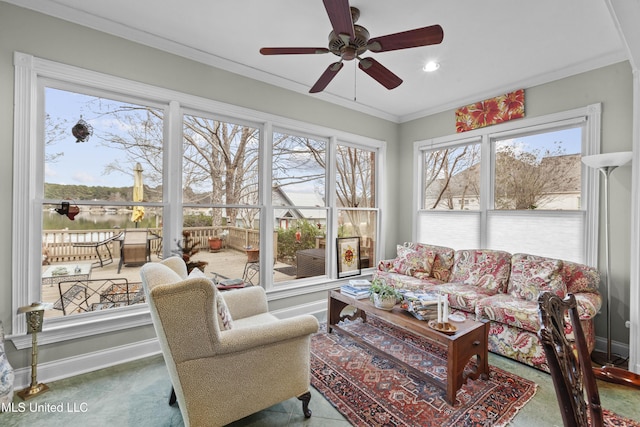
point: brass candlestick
(34, 314)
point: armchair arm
(246, 302)
(242, 339)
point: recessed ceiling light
(431, 66)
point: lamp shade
(597, 161)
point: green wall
(50, 38)
(612, 86)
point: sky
(571, 141)
(82, 163)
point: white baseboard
(621, 349)
(317, 308)
(83, 363)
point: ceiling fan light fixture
(431, 66)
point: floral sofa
(500, 287)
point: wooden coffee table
(469, 340)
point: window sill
(61, 329)
(84, 325)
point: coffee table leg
(334, 312)
(459, 353)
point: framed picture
(348, 256)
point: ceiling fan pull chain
(355, 82)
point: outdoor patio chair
(102, 249)
(226, 355)
(570, 369)
(79, 296)
(134, 247)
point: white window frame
(590, 115)
(27, 202)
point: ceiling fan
(350, 41)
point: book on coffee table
(360, 283)
(357, 293)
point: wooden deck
(227, 263)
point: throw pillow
(532, 274)
(224, 315)
(225, 321)
(441, 269)
(196, 272)
(411, 262)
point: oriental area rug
(370, 390)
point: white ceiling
(489, 48)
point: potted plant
(215, 243)
(382, 295)
(188, 250)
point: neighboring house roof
(563, 172)
(292, 201)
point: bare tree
(54, 132)
(528, 179)
(450, 174)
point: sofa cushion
(412, 262)
(510, 310)
(531, 274)
(580, 277)
(442, 263)
(463, 296)
(401, 281)
(488, 269)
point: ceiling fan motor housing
(355, 47)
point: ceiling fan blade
(340, 17)
(326, 77)
(292, 50)
(407, 39)
(379, 73)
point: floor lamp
(605, 164)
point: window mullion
(172, 197)
(331, 188)
(487, 178)
(265, 201)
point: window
(451, 178)
(299, 205)
(92, 170)
(356, 198)
(220, 183)
(240, 190)
(518, 187)
(539, 171)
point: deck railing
(58, 245)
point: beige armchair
(219, 375)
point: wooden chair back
(569, 361)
